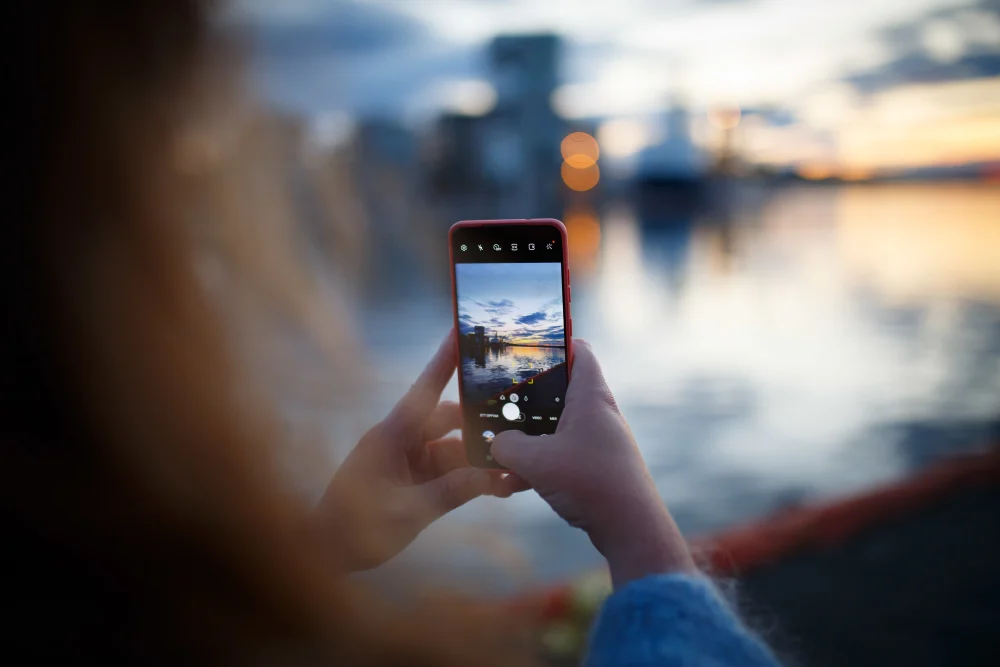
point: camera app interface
(512, 330)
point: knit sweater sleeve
(668, 620)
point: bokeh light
(580, 150)
(581, 180)
(623, 137)
(584, 230)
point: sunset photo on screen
(512, 331)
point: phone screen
(513, 321)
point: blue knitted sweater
(672, 620)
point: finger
(439, 458)
(504, 486)
(587, 380)
(447, 417)
(425, 393)
(436, 498)
(517, 451)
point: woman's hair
(145, 518)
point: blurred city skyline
(849, 88)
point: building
(507, 163)
(521, 153)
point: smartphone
(511, 292)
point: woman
(146, 519)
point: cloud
(920, 68)
(947, 44)
(319, 56)
(394, 58)
(330, 28)
(554, 335)
(498, 308)
(533, 318)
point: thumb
(515, 450)
(450, 491)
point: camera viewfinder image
(512, 340)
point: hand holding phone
(592, 474)
(405, 473)
(511, 301)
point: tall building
(521, 152)
(506, 164)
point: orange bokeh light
(583, 179)
(580, 150)
(584, 230)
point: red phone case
(567, 292)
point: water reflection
(912, 244)
(816, 343)
(491, 370)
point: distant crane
(498, 340)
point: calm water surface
(498, 369)
(816, 342)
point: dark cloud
(775, 117)
(553, 338)
(353, 56)
(549, 335)
(920, 68)
(499, 307)
(339, 28)
(533, 318)
(913, 63)
(554, 332)
(467, 323)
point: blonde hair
(139, 479)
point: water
(499, 368)
(814, 343)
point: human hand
(404, 473)
(592, 474)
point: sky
(520, 301)
(827, 75)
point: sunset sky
(520, 301)
(845, 84)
